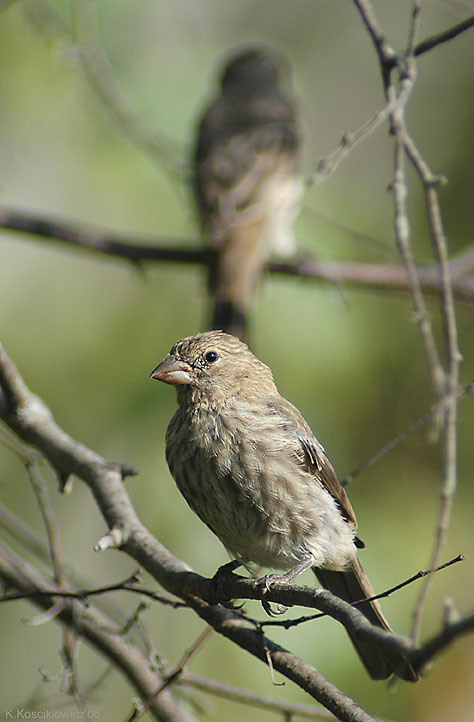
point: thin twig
(24, 535)
(328, 165)
(40, 491)
(402, 234)
(435, 409)
(385, 52)
(413, 28)
(123, 653)
(174, 674)
(52, 530)
(288, 623)
(242, 696)
(445, 36)
(84, 594)
(445, 385)
(454, 358)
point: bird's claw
(217, 584)
(265, 584)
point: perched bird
(245, 177)
(249, 465)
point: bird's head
(213, 363)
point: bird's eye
(211, 356)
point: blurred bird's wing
(250, 172)
(247, 190)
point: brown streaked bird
(245, 177)
(250, 467)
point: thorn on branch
(65, 482)
(127, 470)
(113, 540)
(435, 181)
(47, 616)
(348, 139)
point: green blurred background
(85, 331)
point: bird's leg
(218, 580)
(265, 583)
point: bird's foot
(217, 584)
(265, 584)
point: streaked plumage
(250, 467)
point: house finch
(244, 177)
(250, 467)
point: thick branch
(444, 639)
(100, 241)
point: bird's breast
(242, 478)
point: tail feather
(352, 586)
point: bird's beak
(173, 371)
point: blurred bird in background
(245, 177)
(250, 467)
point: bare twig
(84, 594)
(402, 233)
(384, 50)
(135, 250)
(288, 623)
(174, 674)
(122, 652)
(24, 535)
(435, 409)
(242, 696)
(454, 358)
(349, 141)
(445, 384)
(444, 37)
(52, 530)
(41, 492)
(413, 28)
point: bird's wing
(236, 156)
(311, 454)
(315, 461)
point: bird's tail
(352, 586)
(234, 274)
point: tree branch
(257, 701)
(373, 276)
(445, 380)
(432, 42)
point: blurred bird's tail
(234, 275)
(352, 586)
